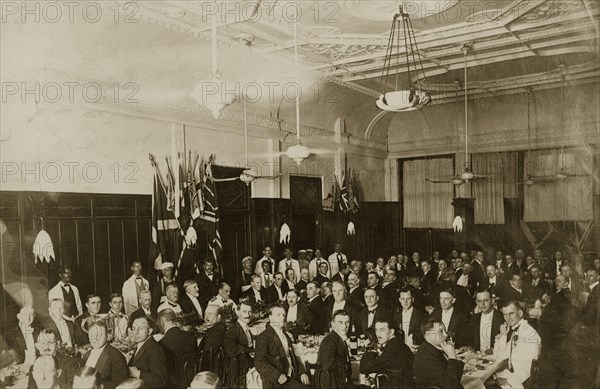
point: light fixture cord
(244, 99)
(215, 66)
(296, 74)
(406, 42)
(466, 116)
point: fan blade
(269, 177)
(438, 181)
(322, 151)
(224, 179)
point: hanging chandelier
(214, 93)
(417, 95)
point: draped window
(427, 205)
(500, 170)
(568, 199)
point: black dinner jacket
(271, 360)
(272, 295)
(112, 366)
(235, 344)
(431, 368)
(361, 319)
(320, 278)
(472, 335)
(51, 325)
(395, 356)
(356, 299)
(328, 307)
(150, 360)
(140, 313)
(591, 312)
(315, 311)
(207, 288)
(417, 317)
(186, 303)
(82, 337)
(458, 324)
(301, 285)
(67, 365)
(177, 344)
(249, 294)
(333, 357)
(302, 315)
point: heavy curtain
(557, 200)
(427, 205)
(500, 170)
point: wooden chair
(532, 381)
(390, 379)
(320, 379)
(186, 368)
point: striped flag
(197, 183)
(163, 220)
(209, 217)
(352, 190)
(344, 200)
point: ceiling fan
(248, 175)
(466, 175)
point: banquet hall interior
(427, 150)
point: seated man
(275, 359)
(275, 292)
(45, 373)
(206, 379)
(177, 345)
(222, 298)
(338, 291)
(366, 318)
(294, 312)
(88, 378)
(333, 352)
(435, 362)
(393, 357)
(47, 345)
(454, 320)
(213, 338)
(107, 360)
(132, 383)
(190, 300)
(116, 311)
(145, 309)
(315, 305)
(64, 329)
(301, 284)
(484, 326)
(519, 343)
(148, 362)
(93, 304)
(172, 296)
(408, 318)
(238, 346)
(256, 292)
(322, 274)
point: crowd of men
(433, 306)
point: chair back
(185, 369)
(320, 379)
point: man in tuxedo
(288, 262)
(222, 298)
(244, 278)
(466, 279)
(47, 345)
(494, 282)
(304, 279)
(453, 319)
(435, 362)
(208, 282)
(133, 286)
(275, 359)
(64, 329)
(88, 378)
(148, 363)
(290, 279)
(93, 304)
(591, 312)
(554, 266)
(337, 259)
(321, 276)
(172, 294)
(313, 266)
(238, 347)
(408, 318)
(145, 309)
(267, 252)
(177, 345)
(444, 273)
(45, 373)
(484, 326)
(275, 292)
(413, 266)
(159, 289)
(295, 313)
(256, 291)
(366, 318)
(120, 320)
(510, 267)
(389, 290)
(356, 298)
(393, 357)
(302, 261)
(514, 291)
(190, 300)
(333, 353)
(103, 357)
(537, 287)
(373, 280)
(479, 265)
(213, 338)
(342, 274)
(315, 306)
(67, 292)
(22, 339)
(429, 276)
(338, 303)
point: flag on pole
(163, 220)
(197, 183)
(331, 201)
(184, 209)
(344, 203)
(170, 189)
(209, 217)
(352, 190)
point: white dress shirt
(196, 304)
(63, 329)
(446, 316)
(279, 293)
(94, 355)
(286, 348)
(169, 305)
(292, 313)
(485, 331)
(463, 280)
(371, 317)
(257, 295)
(338, 306)
(406, 316)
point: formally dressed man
(267, 252)
(88, 378)
(518, 343)
(47, 344)
(190, 300)
(213, 337)
(314, 305)
(333, 353)
(302, 259)
(465, 279)
(133, 286)
(514, 290)
(322, 276)
(337, 259)
(591, 312)
(304, 279)
(22, 338)
(295, 313)
(454, 320)
(208, 282)
(495, 282)
(288, 262)
(275, 293)
(443, 273)
(45, 373)
(238, 346)
(484, 326)
(64, 329)
(172, 296)
(536, 286)
(222, 298)
(177, 346)
(119, 319)
(429, 276)
(67, 292)
(290, 279)
(342, 274)
(103, 357)
(393, 357)
(93, 304)
(338, 303)
(275, 359)
(148, 362)
(479, 267)
(373, 280)
(266, 277)
(256, 291)
(244, 278)
(509, 267)
(145, 309)
(367, 317)
(356, 298)
(313, 266)
(159, 289)
(388, 292)
(435, 362)
(408, 318)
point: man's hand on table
(282, 379)
(304, 379)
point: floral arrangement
(295, 329)
(228, 315)
(125, 345)
(9, 370)
(69, 351)
(260, 312)
(187, 321)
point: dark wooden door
(305, 200)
